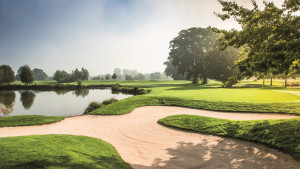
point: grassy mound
(283, 134)
(58, 151)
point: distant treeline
(131, 74)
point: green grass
(218, 94)
(127, 105)
(58, 151)
(243, 98)
(28, 120)
(283, 134)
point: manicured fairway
(58, 151)
(217, 94)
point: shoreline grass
(282, 134)
(58, 151)
(28, 120)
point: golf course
(150, 84)
(261, 129)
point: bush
(109, 101)
(93, 106)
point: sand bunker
(144, 143)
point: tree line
(62, 76)
(27, 76)
(131, 74)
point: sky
(100, 35)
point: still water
(52, 103)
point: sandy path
(143, 143)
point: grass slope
(127, 105)
(58, 151)
(28, 120)
(282, 134)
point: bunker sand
(144, 143)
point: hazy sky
(99, 34)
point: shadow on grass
(225, 154)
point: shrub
(93, 106)
(109, 101)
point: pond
(52, 103)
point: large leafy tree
(6, 74)
(39, 74)
(196, 54)
(26, 75)
(61, 76)
(270, 37)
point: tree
(118, 72)
(39, 74)
(269, 37)
(140, 76)
(172, 71)
(155, 76)
(85, 74)
(114, 76)
(196, 54)
(107, 76)
(61, 76)
(6, 74)
(26, 75)
(128, 77)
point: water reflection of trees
(82, 92)
(27, 98)
(61, 92)
(7, 97)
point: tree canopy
(114, 76)
(197, 55)
(270, 37)
(26, 75)
(39, 74)
(172, 71)
(62, 76)
(6, 74)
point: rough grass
(28, 120)
(283, 134)
(58, 151)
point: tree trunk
(271, 83)
(264, 81)
(204, 80)
(285, 82)
(195, 80)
